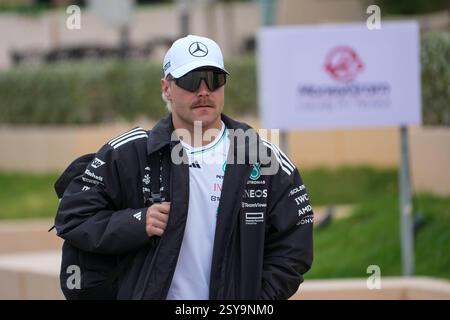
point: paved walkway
(28, 235)
(40, 262)
(30, 258)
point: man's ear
(165, 88)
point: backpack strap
(155, 162)
(159, 162)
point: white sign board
(339, 76)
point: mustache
(202, 102)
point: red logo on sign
(343, 64)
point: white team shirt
(206, 173)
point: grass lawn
(27, 195)
(371, 236)
(345, 248)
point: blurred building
(152, 28)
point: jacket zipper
(236, 210)
(166, 288)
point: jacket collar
(161, 134)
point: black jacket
(263, 242)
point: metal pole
(183, 9)
(268, 12)
(267, 8)
(407, 232)
(284, 142)
(124, 41)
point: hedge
(435, 59)
(93, 92)
(103, 92)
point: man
(228, 225)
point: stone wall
(47, 149)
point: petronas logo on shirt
(256, 171)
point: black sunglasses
(191, 81)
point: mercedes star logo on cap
(198, 49)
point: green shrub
(80, 93)
(408, 7)
(435, 58)
(103, 92)
(94, 92)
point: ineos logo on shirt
(255, 193)
(198, 49)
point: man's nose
(203, 89)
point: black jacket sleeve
(288, 252)
(91, 215)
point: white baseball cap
(192, 52)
